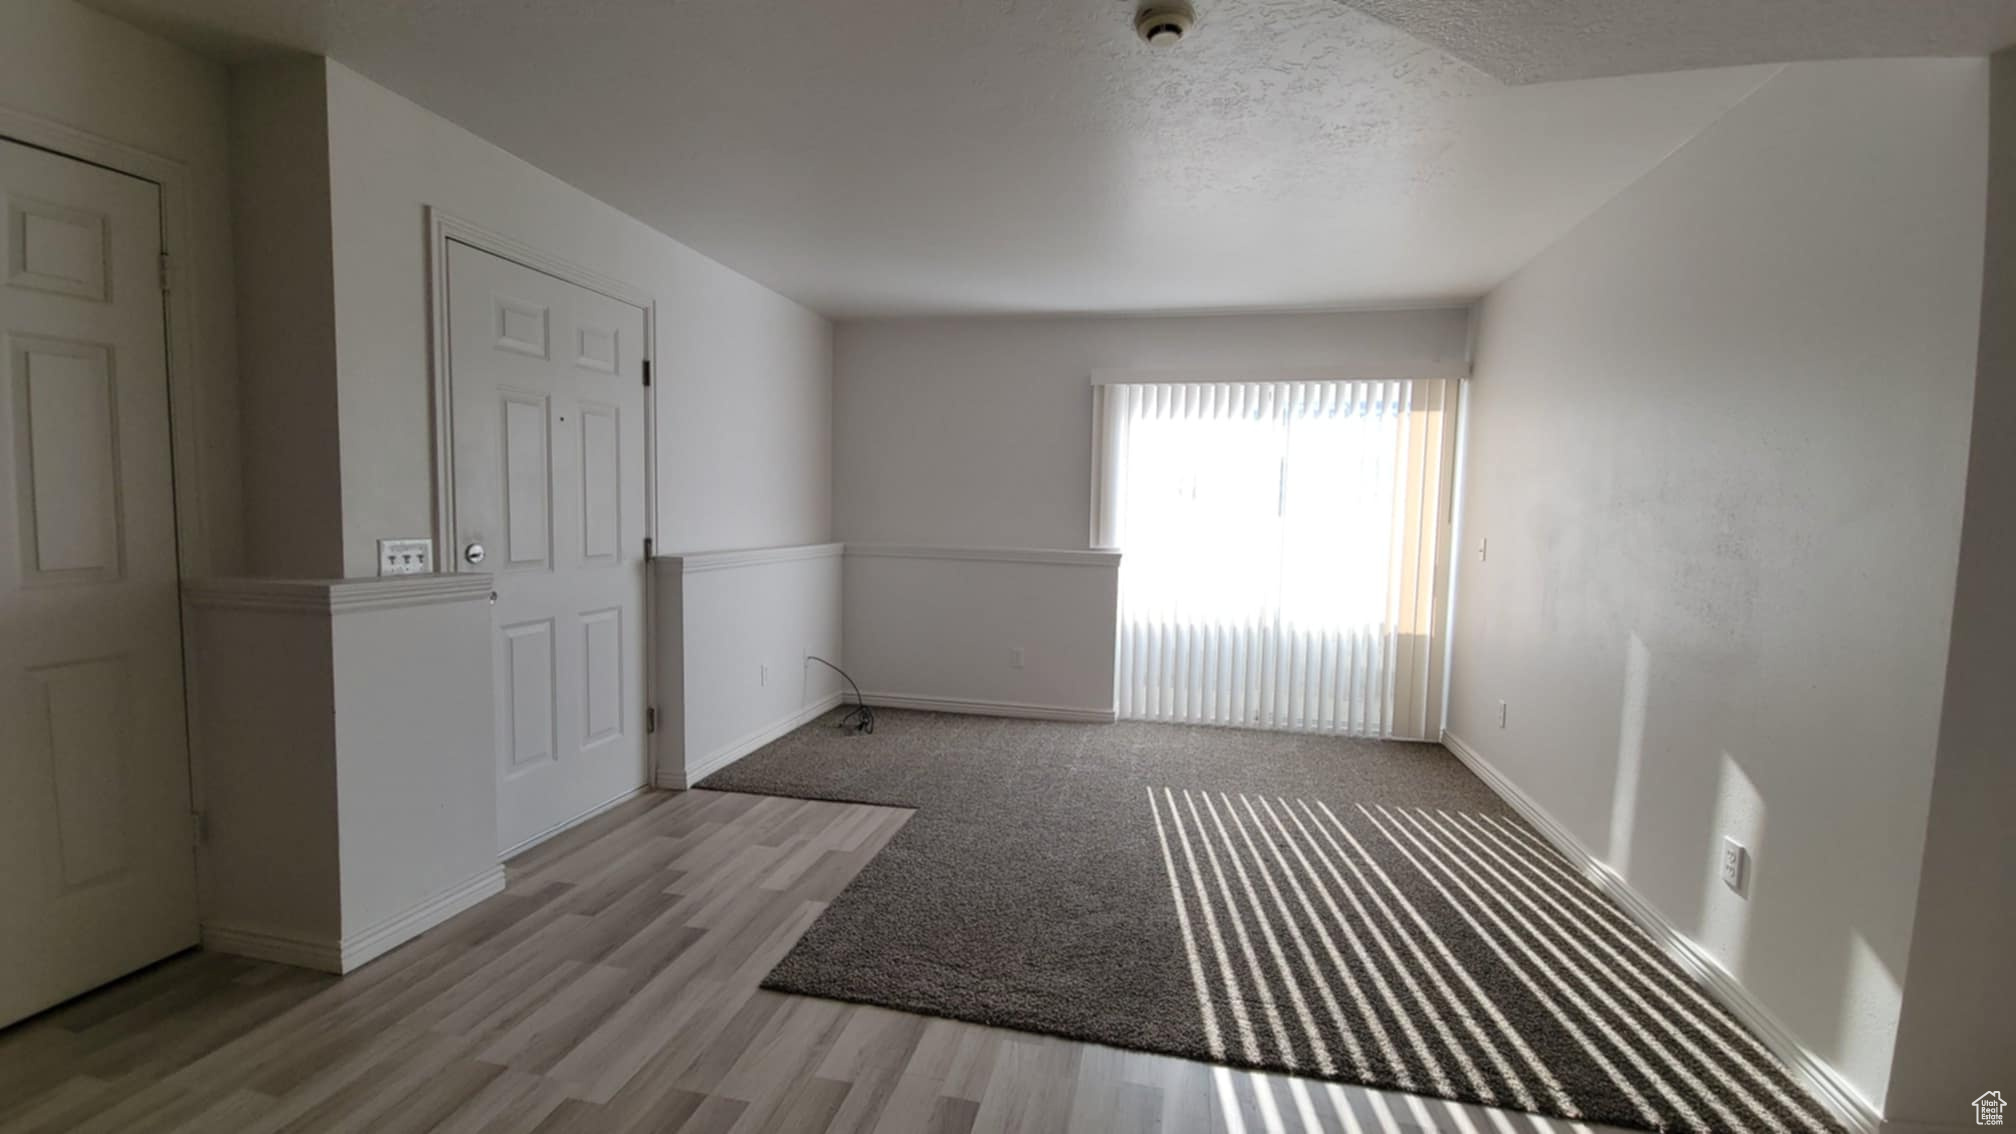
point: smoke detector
(1163, 25)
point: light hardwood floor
(613, 987)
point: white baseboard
(679, 779)
(989, 708)
(1822, 1079)
(282, 947)
(324, 954)
(360, 948)
(516, 849)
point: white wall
(265, 781)
(939, 628)
(1957, 1030)
(743, 374)
(1718, 443)
(286, 331)
(977, 433)
(733, 631)
(342, 733)
(415, 773)
(72, 66)
(743, 379)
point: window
(1278, 546)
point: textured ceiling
(1540, 41)
(913, 156)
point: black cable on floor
(861, 717)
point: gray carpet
(1364, 911)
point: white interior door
(97, 871)
(547, 382)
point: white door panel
(546, 379)
(97, 871)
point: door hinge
(647, 372)
(647, 547)
(651, 720)
(199, 829)
(167, 269)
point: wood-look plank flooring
(613, 987)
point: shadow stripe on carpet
(1288, 914)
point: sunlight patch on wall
(1630, 752)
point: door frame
(443, 227)
(179, 301)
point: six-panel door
(548, 425)
(99, 874)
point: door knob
(473, 553)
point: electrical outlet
(1015, 658)
(1735, 865)
(1501, 714)
(762, 675)
(405, 557)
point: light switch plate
(405, 557)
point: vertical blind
(1278, 549)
